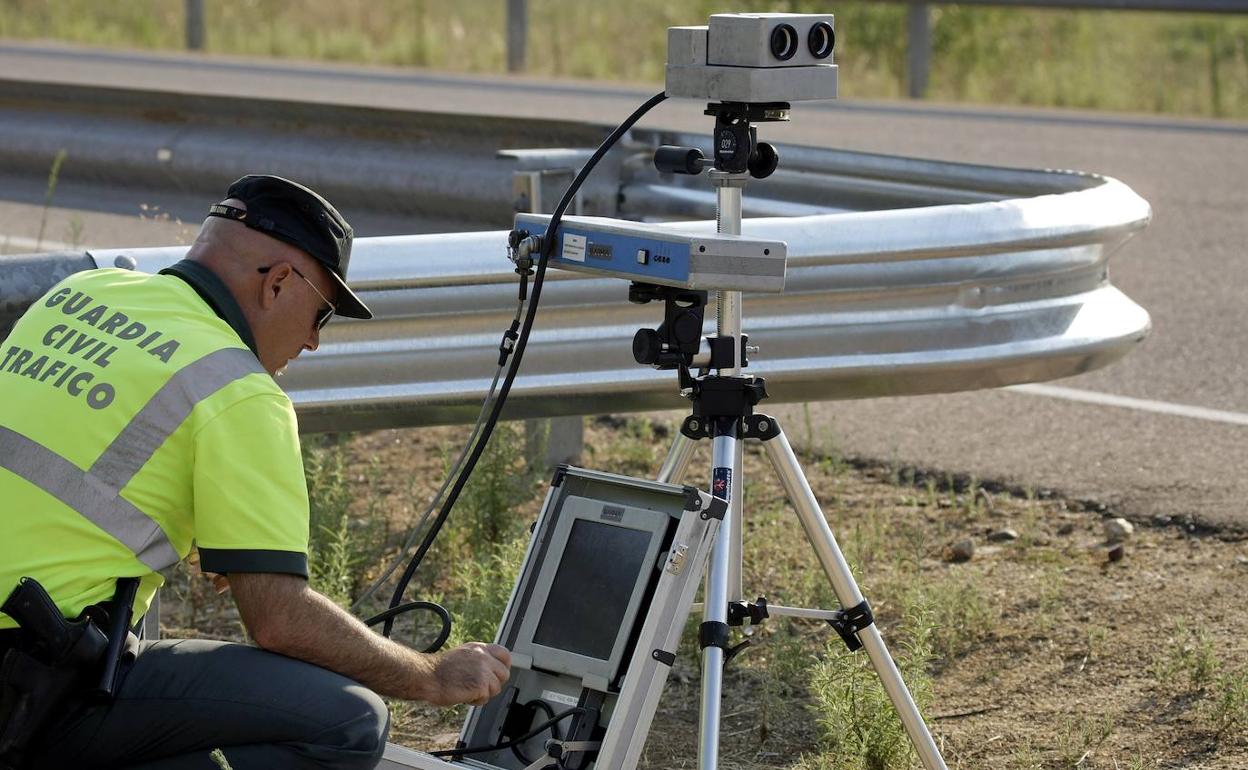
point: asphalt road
(1142, 455)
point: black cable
(409, 538)
(518, 352)
(514, 741)
(554, 729)
(437, 609)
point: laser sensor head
(770, 39)
(754, 58)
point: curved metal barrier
(1006, 284)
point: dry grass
(1039, 653)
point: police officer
(139, 416)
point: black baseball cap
(290, 212)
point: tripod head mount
(737, 149)
(678, 342)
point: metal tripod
(727, 420)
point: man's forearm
(284, 615)
(321, 632)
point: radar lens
(783, 42)
(821, 40)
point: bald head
(279, 287)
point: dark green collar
(214, 291)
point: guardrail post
(918, 48)
(195, 25)
(552, 441)
(517, 34)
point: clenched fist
(471, 673)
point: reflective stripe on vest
(95, 494)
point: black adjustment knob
(687, 330)
(763, 161)
(670, 159)
(647, 347)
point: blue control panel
(653, 259)
(648, 253)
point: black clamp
(849, 622)
(755, 612)
(724, 352)
(712, 633)
(716, 399)
(556, 751)
(760, 426)
(716, 510)
(727, 396)
(508, 343)
(521, 246)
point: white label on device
(574, 247)
(558, 697)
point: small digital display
(589, 596)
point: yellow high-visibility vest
(134, 422)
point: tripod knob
(647, 346)
(763, 160)
(670, 159)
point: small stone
(1118, 530)
(1003, 536)
(963, 550)
(1066, 529)
(1241, 560)
(1117, 552)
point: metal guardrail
(905, 276)
(905, 301)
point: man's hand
(471, 673)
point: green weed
(480, 588)
(485, 514)
(960, 613)
(858, 726)
(1140, 762)
(1026, 757)
(1191, 662)
(339, 544)
(1228, 710)
(1078, 738)
(54, 175)
(73, 231)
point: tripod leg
(725, 474)
(677, 462)
(673, 472)
(789, 470)
(736, 536)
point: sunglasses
(325, 314)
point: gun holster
(56, 659)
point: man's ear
(274, 283)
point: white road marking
(16, 244)
(1141, 404)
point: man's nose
(314, 340)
